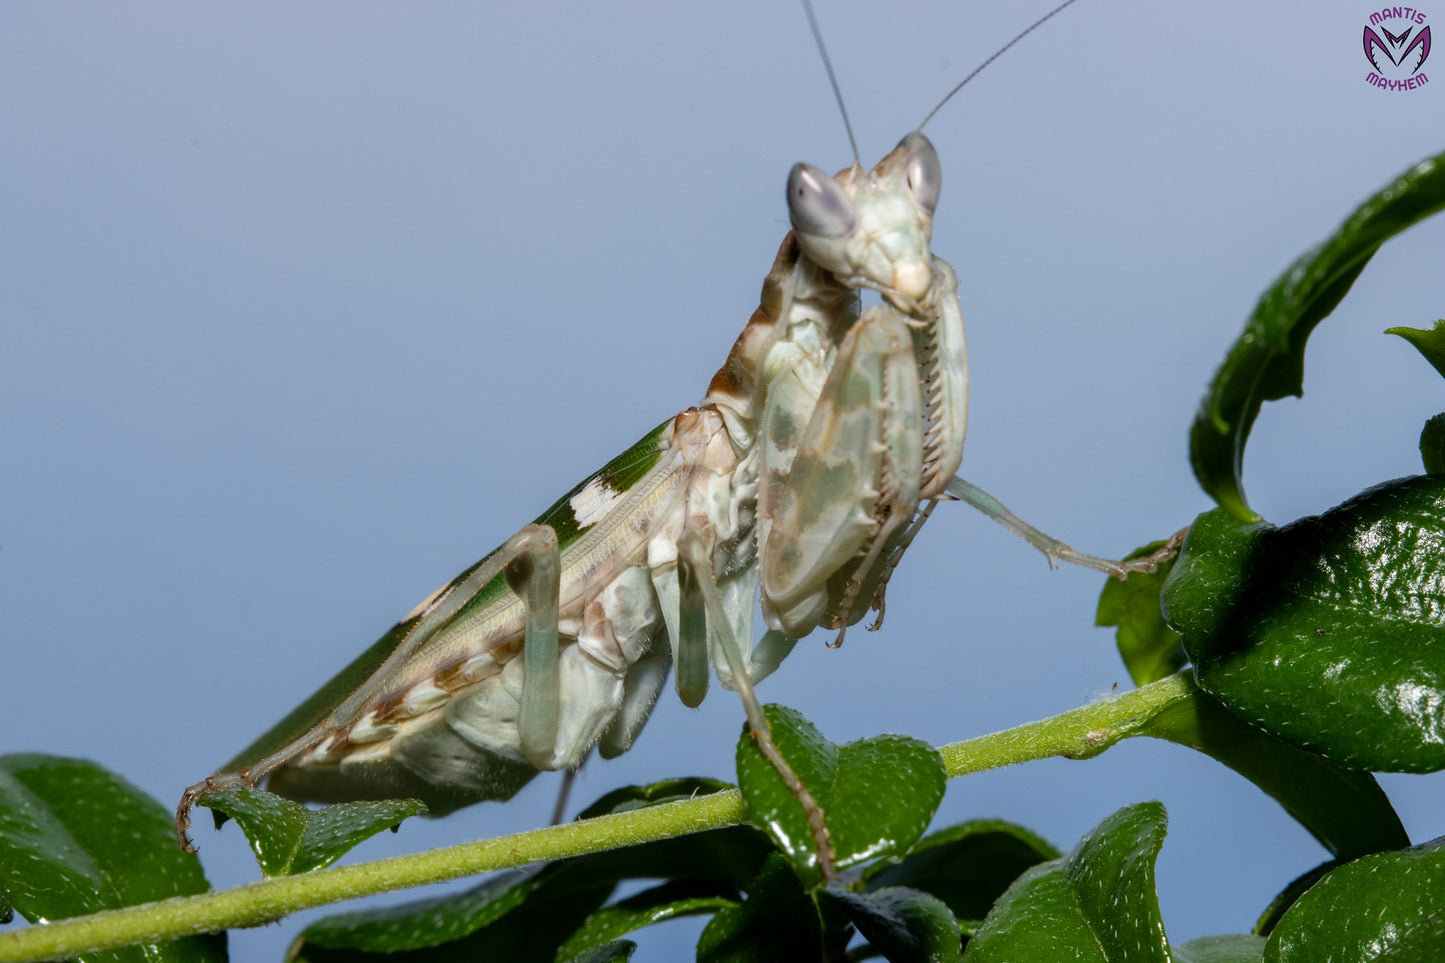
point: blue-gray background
(304, 308)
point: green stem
(1079, 733)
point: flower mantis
(818, 451)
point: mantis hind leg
(531, 562)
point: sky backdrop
(303, 308)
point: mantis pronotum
(818, 451)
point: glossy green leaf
(665, 902)
(1286, 897)
(1267, 361)
(493, 917)
(904, 925)
(288, 838)
(1430, 342)
(1235, 948)
(968, 866)
(1328, 632)
(1346, 810)
(522, 917)
(1095, 904)
(615, 952)
(733, 855)
(1150, 649)
(1385, 907)
(423, 923)
(76, 839)
(628, 798)
(1432, 445)
(863, 822)
(777, 924)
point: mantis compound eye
(920, 164)
(818, 205)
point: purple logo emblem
(1397, 44)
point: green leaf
(1267, 361)
(618, 951)
(1150, 649)
(665, 902)
(1328, 632)
(521, 917)
(777, 923)
(1429, 343)
(1095, 904)
(905, 925)
(1235, 948)
(288, 838)
(557, 900)
(422, 923)
(1345, 810)
(1286, 897)
(1432, 445)
(968, 866)
(864, 823)
(1383, 907)
(628, 798)
(76, 839)
(732, 856)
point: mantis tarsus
(818, 451)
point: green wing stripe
(620, 474)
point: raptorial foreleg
(854, 484)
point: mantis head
(871, 229)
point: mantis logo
(1398, 49)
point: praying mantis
(818, 451)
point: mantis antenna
(838, 92)
(833, 78)
(979, 69)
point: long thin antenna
(833, 78)
(977, 70)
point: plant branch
(1078, 733)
